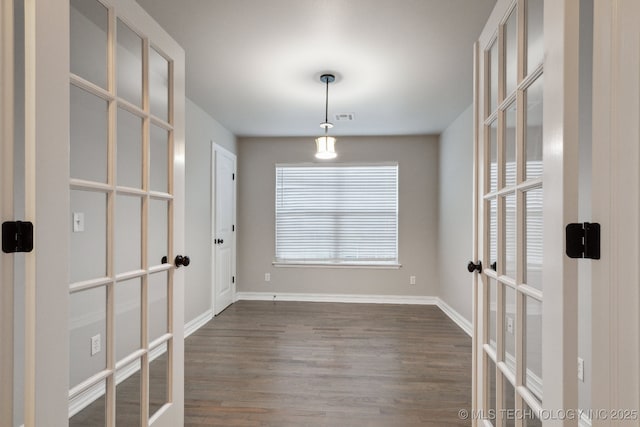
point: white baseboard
(345, 298)
(195, 324)
(459, 319)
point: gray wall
(201, 131)
(417, 157)
(455, 206)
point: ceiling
(403, 67)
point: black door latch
(17, 236)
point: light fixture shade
(326, 147)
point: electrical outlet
(581, 369)
(510, 325)
(96, 344)
(267, 277)
(412, 280)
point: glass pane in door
(533, 346)
(493, 156)
(128, 234)
(158, 379)
(158, 305)
(533, 237)
(129, 65)
(88, 235)
(129, 147)
(159, 158)
(491, 391)
(533, 134)
(94, 414)
(493, 233)
(493, 312)
(511, 52)
(510, 235)
(510, 146)
(493, 77)
(128, 317)
(88, 136)
(128, 394)
(87, 325)
(89, 24)
(509, 326)
(158, 243)
(535, 42)
(159, 85)
(508, 413)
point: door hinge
(233, 177)
(17, 236)
(583, 240)
(233, 279)
(233, 227)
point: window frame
(344, 263)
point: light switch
(78, 222)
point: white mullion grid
(89, 284)
(130, 191)
(131, 108)
(110, 401)
(130, 275)
(144, 324)
(161, 123)
(92, 88)
(523, 187)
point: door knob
(474, 267)
(182, 260)
(218, 241)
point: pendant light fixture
(326, 145)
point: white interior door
(125, 217)
(223, 228)
(616, 205)
(527, 103)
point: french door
(127, 210)
(103, 175)
(526, 321)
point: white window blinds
(337, 213)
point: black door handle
(182, 261)
(474, 267)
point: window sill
(311, 264)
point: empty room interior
(318, 213)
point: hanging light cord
(326, 109)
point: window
(337, 214)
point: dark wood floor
(325, 364)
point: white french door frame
(215, 149)
(560, 178)
(616, 205)
(153, 37)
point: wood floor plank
(326, 364)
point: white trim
(340, 298)
(458, 318)
(198, 322)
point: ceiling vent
(345, 117)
